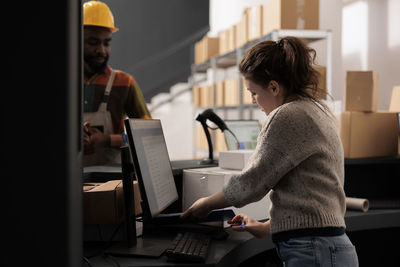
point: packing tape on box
(360, 204)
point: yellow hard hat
(96, 13)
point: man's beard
(92, 67)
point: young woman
(298, 159)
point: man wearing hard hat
(109, 95)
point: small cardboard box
(255, 16)
(205, 49)
(232, 38)
(234, 159)
(104, 202)
(202, 182)
(395, 100)
(231, 92)
(290, 14)
(322, 92)
(219, 94)
(198, 52)
(362, 91)
(206, 96)
(210, 47)
(242, 35)
(372, 134)
(223, 41)
(220, 143)
(196, 96)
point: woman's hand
(203, 206)
(242, 222)
(198, 210)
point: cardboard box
(290, 14)
(198, 52)
(234, 159)
(322, 92)
(220, 144)
(242, 27)
(223, 41)
(255, 22)
(232, 38)
(362, 91)
(206, 96)
(104, 202)
(203, 182)
(205, 49)
(219, 94)
(210, 47)
(231, 92)
(395, 100)
(196, 96)
(372, 134)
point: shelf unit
(234, 57)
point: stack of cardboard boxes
(254, 23)
(365, 131)
(261, 20)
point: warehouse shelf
(234, 57)
(231, 59)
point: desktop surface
(227, 252)
(240, 246)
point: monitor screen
(246, 132)
(152, 165)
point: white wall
(365, 37)
(225, 13)
(371, 41)
(177, 121)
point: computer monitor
(246, 132)
(152, 165)
(154, 173)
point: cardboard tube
(361, 204)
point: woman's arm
(203, 206)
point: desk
(113, 171)
(239, 247)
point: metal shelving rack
(233, 59)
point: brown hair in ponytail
(288, 61)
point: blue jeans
(320, 251)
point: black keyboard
(189, 247)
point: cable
(114, 261)
(86, 260)
(234, 136)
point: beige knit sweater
(299, 158)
